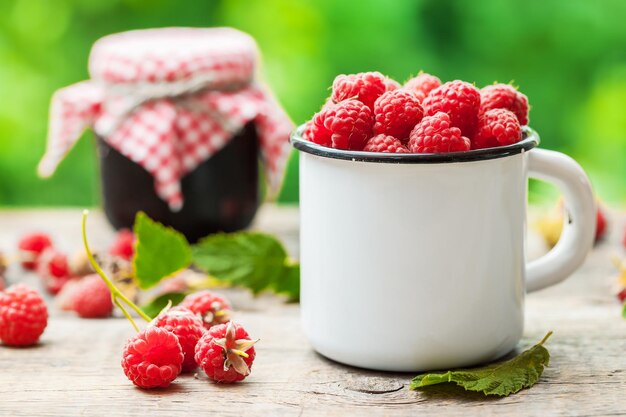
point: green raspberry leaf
(501, 378)
(156, 305)
(160, 251)
(253, 260)
(624, 311)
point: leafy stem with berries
(116, 294)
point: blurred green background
(568, 56)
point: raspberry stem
(116, 294)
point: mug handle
(579, 226)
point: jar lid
(216, 57)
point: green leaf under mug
(160, 251)
(501, 378)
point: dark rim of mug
(529, 141)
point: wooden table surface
(75, 369)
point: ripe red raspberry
(396, 113)
(365, 87)
(317, 133)
(460, 100)
(187, 327)
(23, 316)
(504, 96)
(384, 143)
(348, 124)
(497, 127)
(621, 296)
(152, 358)
(391, 84)
(225, 353)
(600, 223)
(53, 268)
(212, 308)
(436, 134)
(422, 84)
(31, 246)
(91, 298)
(123, 246)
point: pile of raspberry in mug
(373, 113)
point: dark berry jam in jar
(181, 126)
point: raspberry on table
(91, 298)
(152, 358)
(123, 246)
(422, 84)
(504, 96)
(187, 327)
(23, 316)
(348, 124)
(396, 113)
(460, 100)
(364, 86)
(385, 143)
(53, 269)
(31, 246)
(497, 127)
(436, 134)
(225, 353)
(212, 308)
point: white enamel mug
(414, 262)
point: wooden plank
(76, 371)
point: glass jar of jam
(181, 124)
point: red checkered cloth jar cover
(168, 99)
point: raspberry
(225, 353)
(187, 327)
(460, 100)
(317, 133)
(23, 316)
(65, 298)
(436, 134)
(422, 84)
(123, 246)
(600, 224)
(396, 113)
(91, 298)
(504, 96)
(152, 358)
(347, 125)
(384, 143)
(31, 246)
(621, 296)
(53, 269)
(365, 87)
(391, 84)
(497, 127)
(212, 308)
